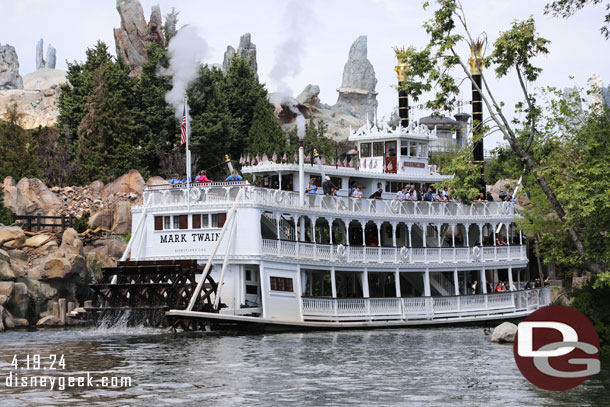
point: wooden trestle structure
(147, 289)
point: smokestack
(476, 64)
(403, 97)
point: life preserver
(279, 197)
(341, 252)
(394, 205)
(404, 254)
(476, 252)
(194, 194)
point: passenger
(333, 191)
(327, 186)
(357, 193)
(184, 180)
(500, 287)
(446, 196)
(275, 185)
(234, 176)
(377, 194)
(352, 189)
(202, 177)
(402, 194)
(473, 287)
(175, 180)
(500, 242)
(428, 196)
(412, 193)
(311, 187)
(489, 197)
(420, 194)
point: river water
(448, 366)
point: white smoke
(282, 101)
(298, 19)
(186, 50)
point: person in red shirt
(202, 177)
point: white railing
(368, 309)
(366, 254)
(225, 192)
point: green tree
(567, 8)
(16, 147)
(52, 156)
(212, 125)
(467, 174)
(107, 145)
(315, 137)
(265, 134)
(514, 50)
(593, 300)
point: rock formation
(39, 54)
(155, 26)
(309, 96)
(246, 49)
(51, 57)
(357, 92)
(504, 333)
(9, 68)
(131, 38)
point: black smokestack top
(403, 96)
(476, 64)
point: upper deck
(223, 194)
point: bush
(81, 224)
(5, 215)
(593, 300)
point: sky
(307, 41)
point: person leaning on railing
(234, 176)
(202, 177)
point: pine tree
(265, 135)
(16, 147)
(212, 125)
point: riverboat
(294, 259)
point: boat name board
(189, 237)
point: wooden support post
(62, 310)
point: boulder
(309, 95)
(37, 241)
(504, 333)
(70, 243)
(4, 256)
(21, 323)
(9, 68)
(36, 272)
(56, 268)
(6, 273)
(19, 303)
(122, 218)
(357, 92)
(156, 181)
(49, 320)
(95, 189)
(47, 248)
(11, 237)
(131, 38)
(3, 299)
(37, 192)
(125, 184)
(18, 262)
(102, 218)
(1, 322)
(6, 288)
(16, 202)
(7, 318)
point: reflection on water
(449, 366)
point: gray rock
(51, 57)
(155, 26)
(504, 333)
(246, 50)
(6, 273)
(357, 93)
(9, 321)
(309, 95)
(19, 303)
(131, 38)
(49, 320)
(39, 54)
(9, 68)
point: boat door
(252, 295)
(390, 162)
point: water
(449, 366)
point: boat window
(183, 221)
(167, 222)
(218, 220)
(404, 148)
(196, 221)
(378, 149)
(281, 284)
(158, 222)
(390, 150)
(176, 222)
(365, 149)
(413, 151)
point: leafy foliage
(593, 300)
(467, 173)
(81, 224)
(265, 134)
(5, 214)
(16, 147)
(567, 8)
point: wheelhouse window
(365, 149)
(413, 151)
(281, 284)
(404, 148)
(378, 149)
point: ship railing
(225, 192)
(370, 254)
(427, 308)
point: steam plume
(186, 50)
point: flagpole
(188, 133)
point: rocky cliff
(246, 50)
(9, 68)
(134, 35)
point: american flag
(183, 128)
